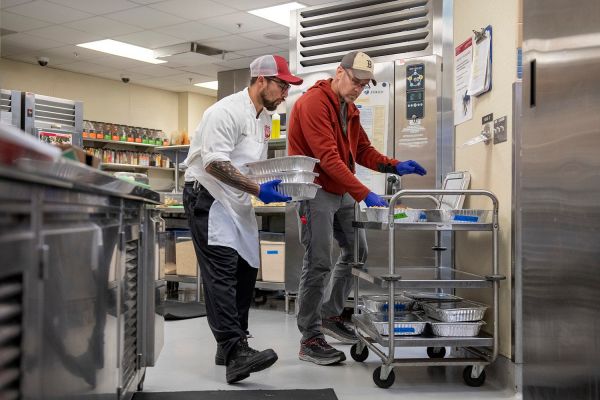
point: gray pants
(328, 216)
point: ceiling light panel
(123, 50)
(213, 85)
(279, 14)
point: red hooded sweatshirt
(314, 130)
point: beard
(270, 105)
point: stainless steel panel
(559, 198)
(232, 81)
(10, 107)
(78, 353)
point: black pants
(228, 279)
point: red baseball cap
(273, 66)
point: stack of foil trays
(295, 172)
(455, 318)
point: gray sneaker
(318, 351)
(335, 328)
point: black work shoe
(219, 356)
(245, 360)
(335, 328)
(318, 351)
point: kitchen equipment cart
(480, 350)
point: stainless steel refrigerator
(557, 189)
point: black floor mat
(292, 394)
(174, 310)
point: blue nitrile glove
(269, 194)
(409, 167)
(374, 200)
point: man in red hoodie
(325, 124)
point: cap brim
(361, 74)
(291, 79)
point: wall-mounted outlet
(500, 130)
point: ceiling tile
(237, 64)
(96, 7)
(149, 39)
(103, 26)
(117, 62)
(64, 35)
(146, 1)
(209, 70)
(233, 43)
(256, 4)
(145, 17)
(259, 36)
(248, 22)
(193, 31)
(184, 78)
(12, 3)
(46, 11)
(157, 71)
(31, 58)
(71, 52)
(20, 43)
(134, 77)
(261, 51)
(84, 67)
(19, 23)
(193, 9)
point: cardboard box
(272, 261)
(186, 258)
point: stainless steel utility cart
(481, 349)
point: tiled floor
(187, 363)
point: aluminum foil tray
(279, 164)
(406, 324)
(286, 177)
(455, 311)
(298, 191)
(431, 296)
(460, 329)
(402, 215)
(380, 303)
(459, 216)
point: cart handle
(422, 196)
(431, 192)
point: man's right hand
(374, 200)
(268, 192)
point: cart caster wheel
(356, 356)
(384, 384)
(436, 352)
(469, 380)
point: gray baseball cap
(361, 64)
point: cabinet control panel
(415, 91)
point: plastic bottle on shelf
(122, 133)
(158, 138)
(91, 130)
(165, 139)
(144, 136)
(114, 132)
(106, 131)
(275, 126)
(85, 131)
(129, 133)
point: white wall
(491, 165)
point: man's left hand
(409, 167)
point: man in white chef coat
(234, 131)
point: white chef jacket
(230, 131)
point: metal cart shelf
(482, 349)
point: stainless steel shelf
(181, 278)
(423, 226)
(132, 144)
(129, 167)
(277, 144)
(422, 277)
(482, 340)
(270, 285)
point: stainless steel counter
(78, 282)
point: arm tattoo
(228, 174)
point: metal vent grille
(129, 365)
(11, 301)
(380, 28)
(5, 101)
(54, 112)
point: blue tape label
(272, 251)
